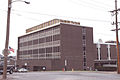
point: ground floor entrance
(39, 68)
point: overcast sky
(93, 13)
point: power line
(92, 3)
(89, 5)
(104, 34)
(101, 3)
(22, 15)
(28, 12)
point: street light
(7, 36)
(20, 1)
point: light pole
(7, 36)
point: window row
(41, 34)
(41, 40)
(42, 45)
(41, 50)
(40, 56)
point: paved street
(79, 75)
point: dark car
(10, 68)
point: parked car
(10, 68)
(22, 70)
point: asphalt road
(76, 75)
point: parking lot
(60, 75)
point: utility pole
(7, 41)
(118, 57)
(117, 40)
(7, 36)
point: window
(35, 35)
(84, 64)
(84, 42)
(29, 43)
(49, 50)
(20, 44)
(49, 39)
(56, 37)
(24, 52)
(42, 50)
(48, 55)
(97, 53)
(35, 56)
(30, 52)
(41, 34)
(83, 37)
(84, 30)
(20, 52)
(84, 59)
(100, 54)
(84, 53)
(41, 40)
(56, 30)
(35, 51)
(56, 49)
(35, 41)
(25, 43)
(84, 48)
(41, 56)
(56, 55)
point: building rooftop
(49, 23)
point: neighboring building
(1, 56)
(106, 57)
(59, 44)
(10, 60)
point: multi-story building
(59, 44)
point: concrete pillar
(98, 46)
(108, 48)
